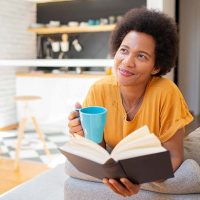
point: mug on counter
(93, 120)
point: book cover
(140, 162)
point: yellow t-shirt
(163, 109)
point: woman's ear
(155, 71)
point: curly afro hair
(161, 27)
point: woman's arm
(175, 146)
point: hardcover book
(139, 157)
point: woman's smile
(125, 72)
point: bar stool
(28, 114)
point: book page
(131, 153)
(139, 133)
(85, 148)
(139, 142)
(148, 140)
(89, 144)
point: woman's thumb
(78, 105)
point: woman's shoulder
(163, 85)
(103, 89)
(107, 81)
(164, 89)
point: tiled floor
(32, 148)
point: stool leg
(1, 151)
(40, 135)
(20, 135)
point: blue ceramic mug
(93, 120)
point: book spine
(114, 169)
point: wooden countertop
(60, 75)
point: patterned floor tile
(32, 147)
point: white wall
(189, 56)
(58, 94)
(168, 7)
(15, 43)
(189, 48)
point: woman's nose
(129, 61)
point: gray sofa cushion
(192, 146)
(186, 180)
(81, 190)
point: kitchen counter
(62, 75)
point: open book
(139, 157)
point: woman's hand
(74, 123)
(125, 188)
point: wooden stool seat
(22, 123)
(27, 98)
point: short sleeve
(94, 97)
(174, 114)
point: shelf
(67, 29)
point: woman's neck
(132, 94)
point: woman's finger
(106, 182)
(75, 129)
(132, 188)
(81, 133)
(119, 187)
(78, 105)
(74, 123)
(74, 114)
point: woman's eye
(122, 50)
(142, 57)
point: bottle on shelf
(108, 70)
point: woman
(144, 45)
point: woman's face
(135, 59)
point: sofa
(81, 187)
(184, 186)
(64, 182)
